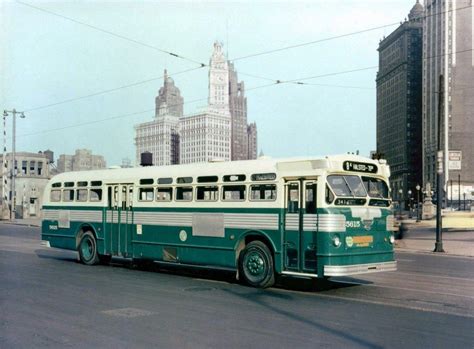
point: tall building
(82, 160)
(169, 100)
(448, 51)
(399, 104)
(252, 141)
(207, 136)
(161, 137)
(238, 112)
(219, 133)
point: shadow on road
(203, 273)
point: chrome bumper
(45, 243)
(343, 270)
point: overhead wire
(98, 93)
(121, 116)
(105, 31)
(330, 38)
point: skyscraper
(399, 104)
(448, 51)
(238, 112)
(160, 137)
(219, 133)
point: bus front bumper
(45, 243)
(344, 270)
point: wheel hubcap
(255, 264)
(87, 248)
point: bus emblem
(183, 236)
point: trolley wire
(98, 93)
(335, 37)
(105, 31)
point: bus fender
(253, 235)
(83, 228)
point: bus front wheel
(88, 249)
(256, 265)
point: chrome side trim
(292, 221)
(390, 221)
(295, 273)
(344, 270)
(332, 223)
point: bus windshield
(376, 188)
(347, 186)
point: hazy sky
(45, 59)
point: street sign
(454, 160)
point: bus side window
(124, 198)
(109, 197)
(95, 194)
(130, 196)
(293, 197)
(310, 195)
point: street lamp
(409, 202)
(14, 112)
(418, 202)
(400, 192)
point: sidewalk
(31, 222)
(421, 237)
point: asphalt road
(48, 299)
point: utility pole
(440, 171)
(13, 200)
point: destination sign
(359, 167)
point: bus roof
(283, 167)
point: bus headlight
(392, 239)
(336, 241)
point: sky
(46, 59)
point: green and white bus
(307, 217)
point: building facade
(82, 160)
(448, 52)
(205, 137)
(219, 133)
(161, 136)
(252, 137)
(238, 112)
(399, 104)
(32, 176)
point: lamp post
(409, 202)
(400, 192)
(418, 202)
(14, 112)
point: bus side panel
(61, 227)
(178, 244)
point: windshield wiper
(348, 187)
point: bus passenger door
(126, 219)
(300, 226)
(291, 239)
(309, 227)
(112, 221)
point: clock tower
(218, 81)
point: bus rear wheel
(256, 265)
(88, 249)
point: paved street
(48, 299)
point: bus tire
(88, 249)
(256, 265)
